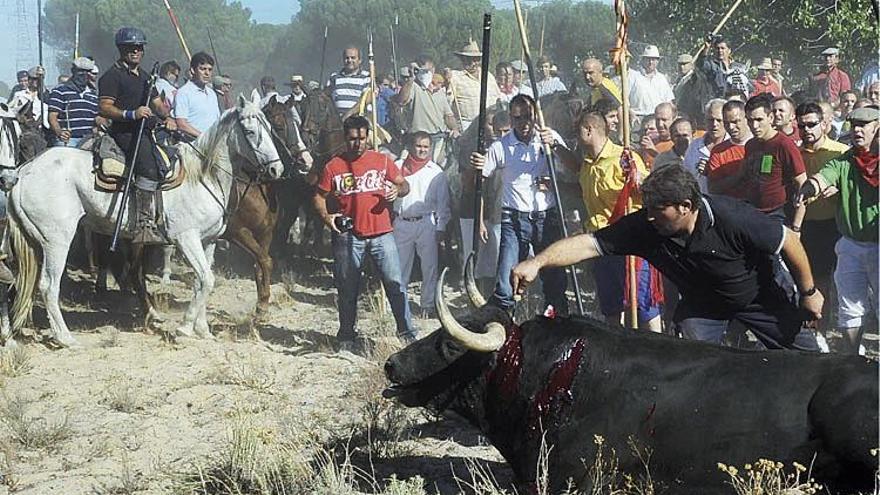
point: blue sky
(280, 11)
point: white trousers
(856, 280)
(419, 237)
(487, 261)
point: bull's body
(692, 404)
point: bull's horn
(470, 284)
(490, 341)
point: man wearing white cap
(830, 81)
(648, 86)
(764, 82)
(298, 93)
(73, 106)
(464, 85)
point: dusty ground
(131, 412)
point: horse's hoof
(166, 279)
(67, 341)
(184, 331)
(155, 317)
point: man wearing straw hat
(648, 86)
(764, 82)
(464, 85)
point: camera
(343, 223)
(714, 38)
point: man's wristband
(128, 114)
(795, 228)
(810, 292)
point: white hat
(470, 50)
(84, 63)
(831, 51)
(766, 64)
(651, 51)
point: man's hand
(63, 135)
(484, 232)
(547, 136)
(170, 124)
(478, 160)
(306, 157)
(647, 143)
(523, 274)
(813, 305)
(391, 191)
(143, 113)
(330, 221)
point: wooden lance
(720, 25)
(76, 38)
(323, 57)
(176, 24)
(481, 129)
(374, 119)
(551, 161)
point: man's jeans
(348, 257)
(519, 231)
(71, 143)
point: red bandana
(412, 165)
(866, 162)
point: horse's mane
(210, 143)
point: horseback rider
(122, 92)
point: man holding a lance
(122, 91)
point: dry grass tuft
(245, 369)
(30, 431)
(766, 477)
(109, 337)
(15, 361)
(128, 483)
(8, 466)
(120, 395)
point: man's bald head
(591, 68)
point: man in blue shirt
(73, 107)
(195, 105)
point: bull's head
(435, 370)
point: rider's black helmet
(130, 36)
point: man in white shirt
(529, 216)
(166, 85)
(697, 155)
(195, 105)
(421, 216)
(648, 86)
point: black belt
(412, 219)
(531, 215)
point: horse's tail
(26, 277)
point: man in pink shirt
(831, 81)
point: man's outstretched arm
(561, 253)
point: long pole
(42, 73)
(541, 44)
(176, 24)
(720, 25)
(76, 38)
(126, 192)
(551, 161)
(323, 57)
(394, 51)
(374, 120)
(214, 52)
(481, 129)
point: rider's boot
(6, 275)
(147, 232)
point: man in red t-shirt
(725, 172)
(774, 164)
(364, 185)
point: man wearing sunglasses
(122, 92)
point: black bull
(693, 404)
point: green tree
(240, 43)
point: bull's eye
(450, 350)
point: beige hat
(766, 64)
(470, 50)
(685, 59)
(84, 63)
(651, 51)
(295, 79)
(831, 51)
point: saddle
(108, 164)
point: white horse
(57, 189)
(10, 134)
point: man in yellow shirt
(602, 179)
(819, 229)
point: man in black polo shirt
(122, 92)
(721, 253)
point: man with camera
(363, 185)
(716, 63)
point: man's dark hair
(760, 101)
(544, 59)
(733, 105)
(592, 118)
(808, 108)
(168, 67)
(418, 136)
(424, 59)
(523, 100)
(605, 106)
(670, 185)
(201, 58)
(355, 122)
(502, 65)
(679, 121)
(853, 92)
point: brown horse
(257, 206)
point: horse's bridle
(7, 128)
(261, 168)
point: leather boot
(6, 275)
(147, 232)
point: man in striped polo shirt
(73, 107)
(347, 85)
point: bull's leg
(190, 245)
(54, 260)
